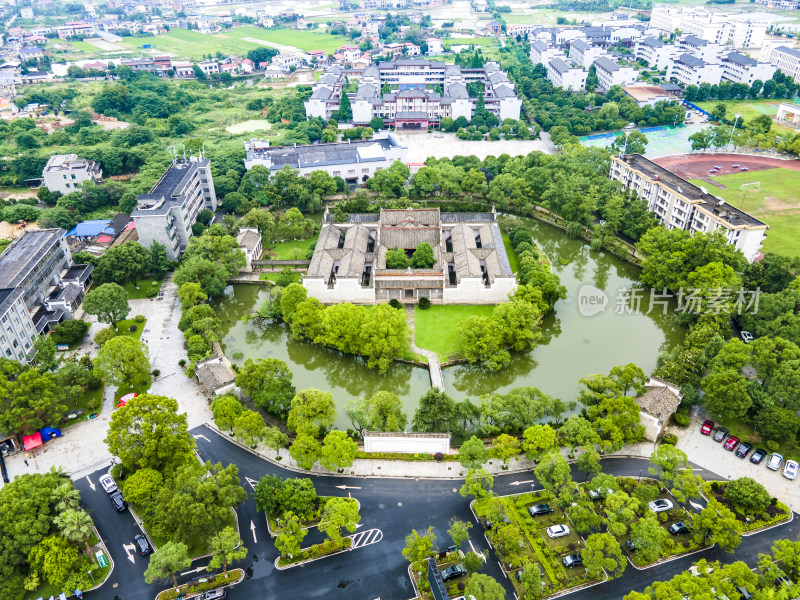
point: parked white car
(660, 505)
(557, 531)
(790, 470)
(108, 483)
(775, 461)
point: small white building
(562, 75)
(65, 173)
(209, 67)
(610, 74)
(434, 46)
(688, 69)
(739, 68)
(249, 240)
(789, 114)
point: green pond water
(573, 345)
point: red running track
(695, 166)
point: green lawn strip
(124, 328)
(199, 545)
(316, 551)
(482, 41)
(146, 285)
(274, 277)
(774, 203)
(289, 250)
(91, 401)
(435, 328)
(512, 256)
(219, 580)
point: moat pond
(573, 345)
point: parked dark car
(678, 528)
(453, 572)
(720, 434)
(572, 560)
(142, 545)
(630, 545)
(743, 449)
(119, 502)
(538, 510)
(758, 456)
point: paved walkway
(434, 367)
(81, 450)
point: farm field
(192, 45)
(777, 203)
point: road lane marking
(91, 485)
(128, 549)
(253, 529)
(200, 436)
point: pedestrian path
(434, 367)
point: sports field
(192, 45)
(776, 202)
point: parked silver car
(775, 461)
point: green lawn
(194, 45)
(512, 256)
(274, 277)
(286, 250)
(146, 284)
(124, 328)
(749, 109)
(91, 401)
(777, 203)
(47, 591)
(435, 328)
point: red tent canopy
(29, 442)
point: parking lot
(704, 451)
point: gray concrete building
(166, 213)
(16, 327)
(66, 172)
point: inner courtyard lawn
(777, 203)
(435, 328)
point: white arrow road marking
(521, 482)
(347, 487)
(91, 485)
(197, 570)
(253, 529)
(696, 506)
(365, 538)
(128, 549)
(200, 436)
(252, 482)
(481, 554)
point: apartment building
(682, 205)
(739, 68)
(16, 327)
(787, 59)
(168, 211)
(354, 162)
(583, 55)
(610, 74)
(697, 46)
(65, 173)
(736, 30)
(562, 75)
(654, 52)
(687, 69)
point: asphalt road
(394, 506)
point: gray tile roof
(24, 253)
(580, 45)
(606, 64)
(691, 60)
(559, 65)
(788, 50)
(741, 59)
(7, 297)
(652, 42)
(693, 40)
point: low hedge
(219, 580)
(316, 551)
(410, 457)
